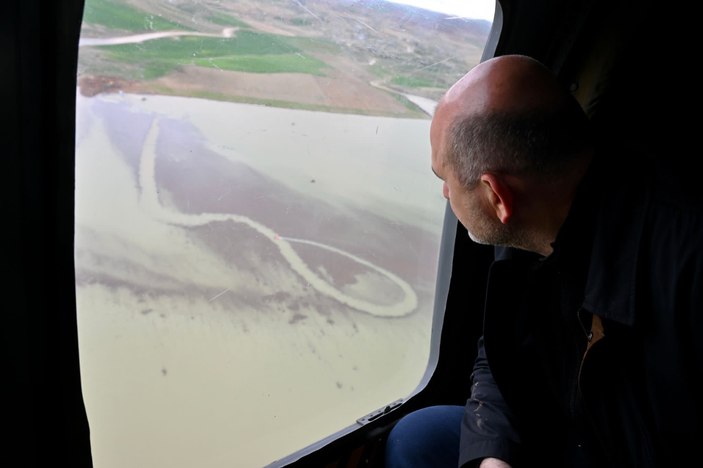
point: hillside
(355, 56)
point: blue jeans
(426, 438)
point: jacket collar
(609, 210)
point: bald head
(508, 114)
(510, 83)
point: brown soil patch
(330, 92)
(93, 85)
(341, 93)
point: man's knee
(428, 437)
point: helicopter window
(257, 227)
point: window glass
(257, 225)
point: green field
(247, 51)
(118, 16)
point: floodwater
(249, 279)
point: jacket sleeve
(486, 429)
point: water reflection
(242, 290)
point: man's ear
(499, 195)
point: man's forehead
(438, 142)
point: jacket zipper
(594, 335)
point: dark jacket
(593, 356)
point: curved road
(90, 41)
(150, 201)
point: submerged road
(150, 201)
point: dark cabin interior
(629, 63)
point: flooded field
(249, 279)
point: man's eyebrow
(436, 175)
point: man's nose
(445, 190)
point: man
(592, 346)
